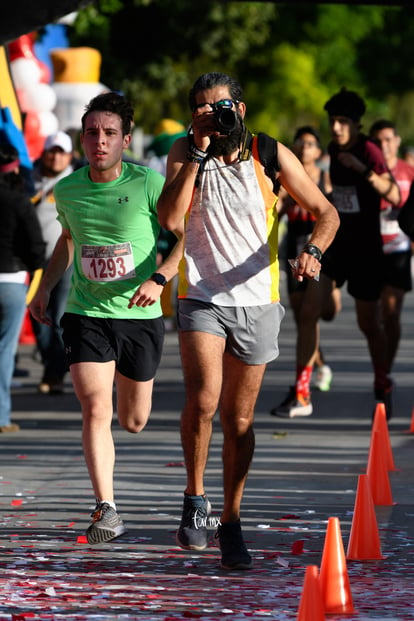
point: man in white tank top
(229, 312)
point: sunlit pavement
(304, 471)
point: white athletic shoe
(293, 406)
(323, 378)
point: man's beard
(226, 145)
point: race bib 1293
(108, 263)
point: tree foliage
(290, 58)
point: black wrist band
(197, 152)
(195, 155)
(194, 158)
(313, 250)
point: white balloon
(25, 71)
(40, 97)
(48, 123)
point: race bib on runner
(393, 238)
(389, 221)
(345, 199)
(108, 263)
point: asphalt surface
(304, 472)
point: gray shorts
(251, 332)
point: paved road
(304, 472)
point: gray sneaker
(192, 533)
(106, 524)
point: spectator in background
(396, 244)
(22, 250)
(54, 164)
(166, 133)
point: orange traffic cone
(336, 592)
(381, 425)
(364, 542)
(411, 429)
(311, 606)
(377, 472)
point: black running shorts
(134, 344)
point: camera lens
(226, 120)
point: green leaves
(289, 58)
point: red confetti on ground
(82, 539)
(290, 516)
(16, 502)
(297, 546)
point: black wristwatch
(313, 250)
(159, 279)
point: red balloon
(45, 73)
(22, 47)
(31, 123)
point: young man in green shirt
(112, 327)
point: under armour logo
(123, 200)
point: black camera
(226, 119)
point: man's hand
(146, 294)
(305, 266)
(38, 306)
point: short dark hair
(111, 102)
(10, 155)
(382, 124)
(307, 129)
(210, 80)
(346, 103)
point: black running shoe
(106, 524)
(384, 395)
(234, 554)
(192, 533)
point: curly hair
(111, 102)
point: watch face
(159, 279)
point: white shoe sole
(305, 410)
(299, 412)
